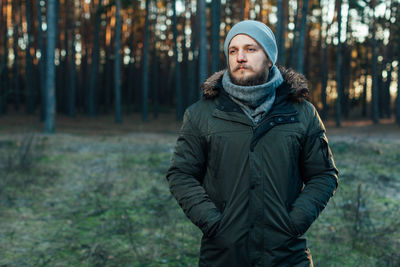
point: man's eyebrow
(246, 45)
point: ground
(95, 194)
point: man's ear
(269, 62)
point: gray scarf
(255, 101)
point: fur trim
(209, 87)
(297, 82)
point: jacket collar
(293, 89)
(297, 85)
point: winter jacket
(253, 190)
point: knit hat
(259, 32)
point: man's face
(248, 63)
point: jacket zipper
(270, 117)
(263, 121)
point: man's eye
(232, 51)
(251, 49)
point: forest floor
(95, 194)
(167, 124)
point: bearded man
(252, 167)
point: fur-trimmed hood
(298, 84)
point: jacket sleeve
(319, 175)
(185, 174)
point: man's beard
(252, 80)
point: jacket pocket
(292, 225)
(221, 206)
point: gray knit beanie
(259, 32)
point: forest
(92, 95)
(120, 57)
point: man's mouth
(241, 67)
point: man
(252, 167)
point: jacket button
(252, 187)
(222, 107)
(280, 119)
(252, 226)
(292, 118)
(272, 123)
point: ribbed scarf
(255, 101)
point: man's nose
(241, 56)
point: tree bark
(202, 43)
(15, 69)
(193, 84)
(281, 31)
(398, 97)
(72, 69)
(215, 37)
(375, 89)
(324, 74)
(94, 70)
(42, 63)
(4, 67)
(338, 66)
(178, 84)
(50, 67)
(293, 49)
(117, 66)
(364, 96)
(131, 86)
(155, 83)
(28, 58)
(303, 26)
(145, 66)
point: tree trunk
(339, 66)
(59, 93)
(29, 66)
(387, 99)
(398, 96)
(155, 83)
(94, 70)
(364, 96)
(117, 66)
(4, 65)
(178, 84)
(281, 31)
(202, 42)
(346, 79)
(108, 73)
(246, 9)
(42, 63)
(145, 66)
(84, 81)
(131, 85)
(388, 61)
(324, 74)
(185, 66)
(293, 49)
(71, 72)
(375, 89)
(65, 62)
(215, 37)
(193, 85)
(50, 67)
(15, 69)
(303, 26)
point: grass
(104, 201)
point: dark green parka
(253, 190)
